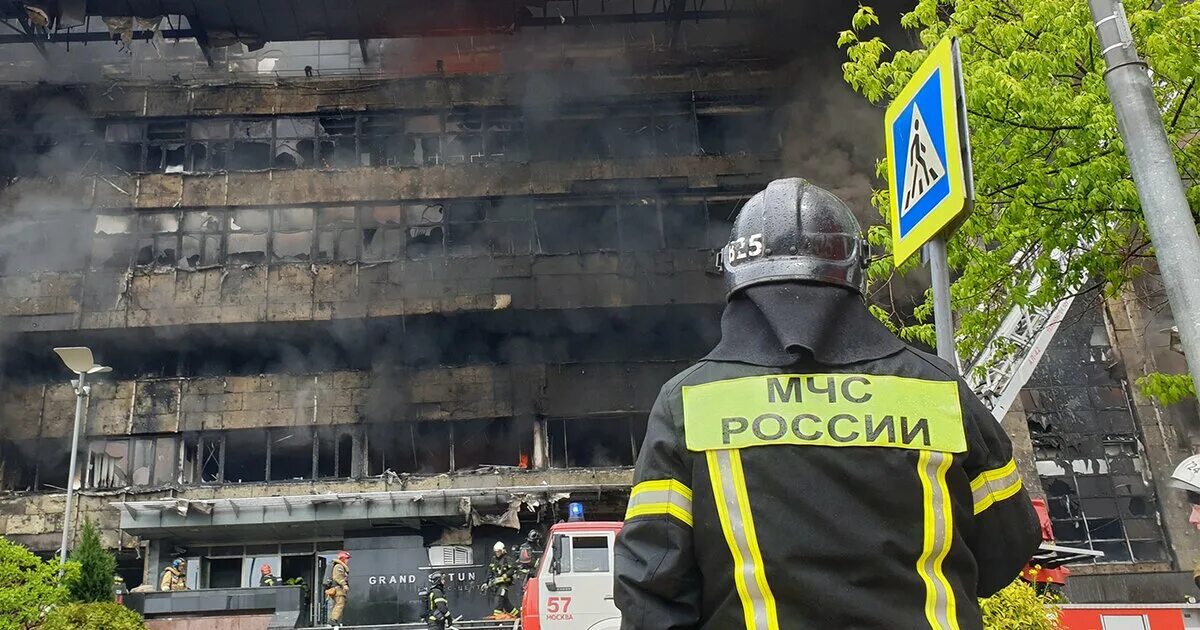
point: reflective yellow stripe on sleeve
(737, 522)
(940, 607)
(993, 486)
(661, 497)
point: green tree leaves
(29, 587)
(1167, 389)
(1054, 196)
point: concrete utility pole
(1160, 189)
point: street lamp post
(78, 360)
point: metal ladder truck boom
(996, 374)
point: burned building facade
(404, 294)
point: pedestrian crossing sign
(927, 170)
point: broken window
(203, 456)
(141, 460)
(158, 238)
(291, 453)
(345, 455)
(684, 224)
(165, 149)
(251, 145)
(338, 146)
(505, 138)
(740, 132)
(409, 447)
(212, 458)
(247, 241)
(576, 229)
(591, 442)
(463, 141)
(425, 232)
(123, 146)
(1089, 453)
(384, 142)
(326, 454)
(674, 134)
(466, 232)
(295, 143)
(112, 240)
(108, 464)
(338, 234)
(497, 442)
(53, 457)
(200, 241)
(569, 137)
(425, 131)
(721, 213)
(247, 462)
(392, 446)
(291, 240)
(510, 227)
(641, 229)
(382, 232)
(628, 137)
(18, 465)
(209, 146)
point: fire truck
(572, 588)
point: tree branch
(1182, 101)
(1026, 125)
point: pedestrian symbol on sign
(923, 167)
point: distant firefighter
(528, 553)
(499, 580)
(174, 577)
(437, 607)
(268, 578)
(338, 588)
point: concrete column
(539, 444)
(1127, 323)
(152, 560)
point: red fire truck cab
(572, 588)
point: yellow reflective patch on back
(824, 410)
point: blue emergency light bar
(574, 512)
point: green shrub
(93, 616)
(96, 568)
(29, 587)
(1019, 607)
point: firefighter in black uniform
(437, 607)
(528, 553)
(813, 471)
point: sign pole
(930, 175)
(943, 319)
(1152, 164)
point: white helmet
(499, 548)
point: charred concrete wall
(1103, 452)
(157, 406)
(127, 99)
(289, 293)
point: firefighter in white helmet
(499, 580)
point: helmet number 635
(742, 248)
